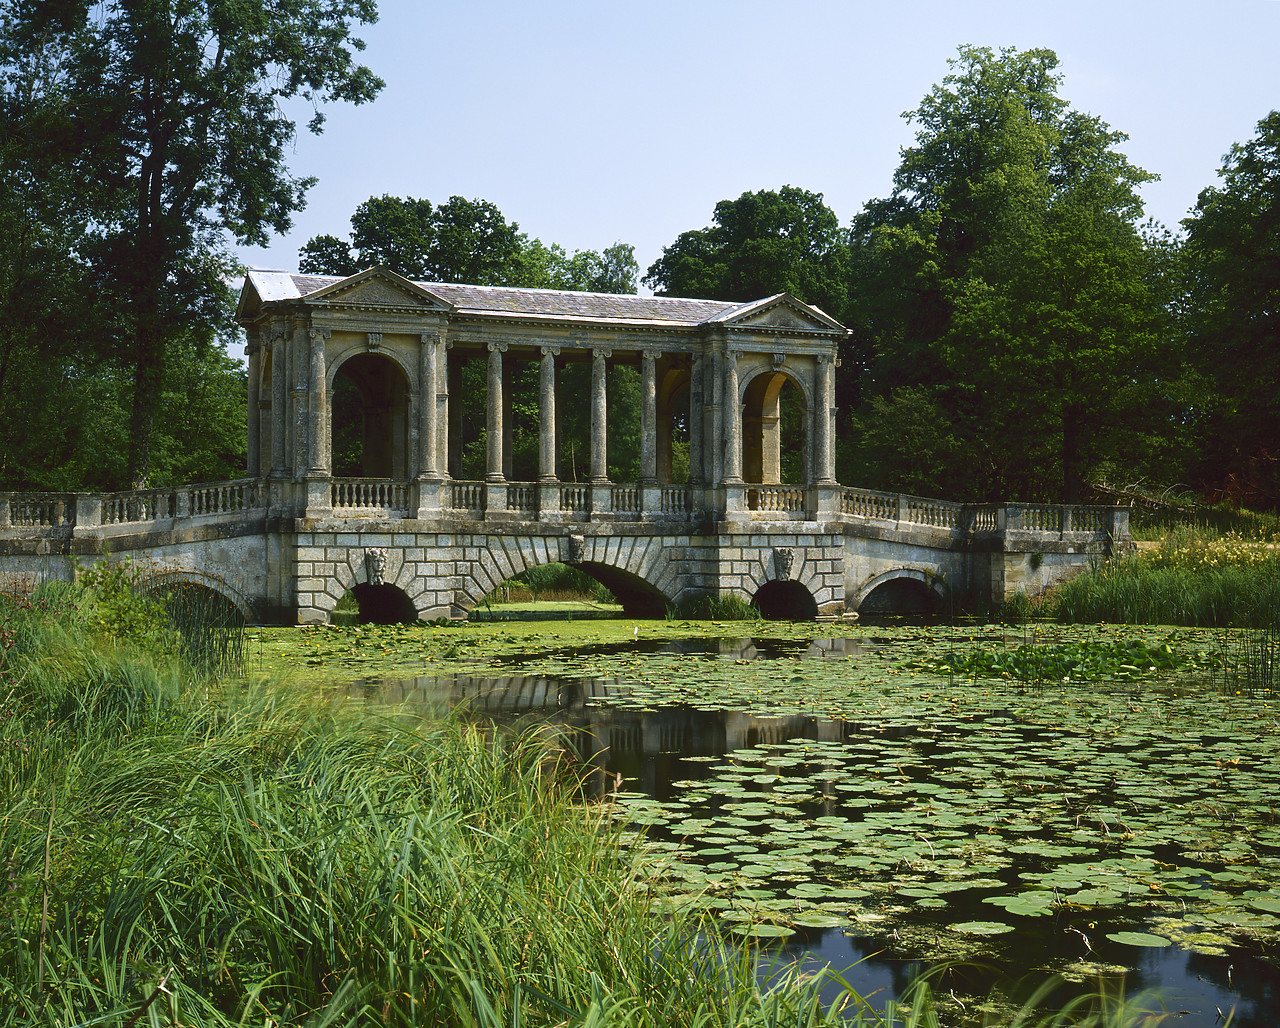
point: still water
(1010, 833)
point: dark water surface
(1011, 835)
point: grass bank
(216, 855)
(1193, 577)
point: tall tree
(1232, 252)
(465, 241)
(173, 127)
(1005, 283)
(758, 245)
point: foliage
(167, 124)
(466, 241)
(1079, 661)
(118, 607)
(1005, 281)
(729, 607)
(1232, 261)
(759, 244)
(1192, 579)
(267, 851)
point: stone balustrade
(549, 501)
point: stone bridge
(387, 423)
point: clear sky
(595, 121)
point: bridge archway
(785, 600)
(200, 584)
(383, 604)
(369, 418)
(775, 430)
(903, 590)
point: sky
(594, 122)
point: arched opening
(369, 430)
(383, 605)
(775, 442)
(210, 625)
(638, 598)
(673, 426)
(785, 601)
(901, 595)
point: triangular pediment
(782, 312)
(378, 287)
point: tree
(758, 245)
(467, 241)
(172, 129)
(1232, 253)
(1005, 280)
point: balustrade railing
(675, 499)
(468, 496)
(937, 513)
(624, 499)
(575, 498)
(41, 510)
(868, 503)
(138, 505)
(788, 499)
(224, 497)
(1086, 519)
(522, 497)
(984, 517)
(374, 495)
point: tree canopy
(1232, 266)
(165, 120)
(1001, 289)
(760, 244)
(466, 241)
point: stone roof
(283, 285)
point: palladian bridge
(733, 399)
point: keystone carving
(375, 565)
(783, 557)
(574, 547)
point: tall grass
(1192, 578)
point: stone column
(493, 421)
(599, 437)
(648, 418)
(300, 372)
(253, 466)
(732, 420)
(822, 462)
(279, 397)
(548, 483)
(444, 423)
(318, 402)
(428, 405)
(547, 415)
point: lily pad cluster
(1075, 661)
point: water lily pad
(1138, 939)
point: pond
(837, 798)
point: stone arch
(901, 585)
(635, 568)
(784, 570)
(785, 600)
(761, 393)
(377, 387)
(164, 577)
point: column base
(318, 500)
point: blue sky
(593, 122)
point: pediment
(782, 312)
(378, 287)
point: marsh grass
(1191, 579)
(720, 608)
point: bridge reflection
(605, 723)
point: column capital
(436, 335)
(317, 333)
(651, 355)
(827, 358)
(498, 347)
(599, 353)
(550, 351)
